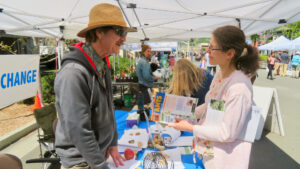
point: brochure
(134, 138)
(215, 113)
(167, 107)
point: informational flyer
(167, 107)
(215, 114)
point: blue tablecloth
(187, 160)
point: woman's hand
(182, 125)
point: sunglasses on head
(119, 31)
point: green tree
(254, 38)
(8, 48)
(291, 30)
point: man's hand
(182, 125)
(116, 156)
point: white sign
(18, 78)
(267, 98)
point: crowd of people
(282, 63)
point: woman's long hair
(187, 78)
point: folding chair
(46, 118)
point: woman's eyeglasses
(119, 31)
(211, 48)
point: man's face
(111, 42)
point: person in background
(203, 63)
(285, 59)
(295, 65)
(145, 77)
(209, 66)
(277, 64)
(154, 58)
(190, 80)
(86, 133)
(218, 145)
(271, 61)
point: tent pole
(124, 13)
(139, 22)
(188, 50)
(263, 13)
(30, 27)
(238, 22)
(20, 20)
(58, 54)
(61, 51)
(29, 14)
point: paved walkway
(26, 148)
(274, 151)
(271, 152)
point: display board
(267, 99)
(18, 78)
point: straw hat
(105, 15)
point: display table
(187, 160)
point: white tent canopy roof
(292, 45)
(155, 46)
(295, 44)
(278, 44)
(158, 20)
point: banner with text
(18, 78)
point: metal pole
(61, 49)
(188, 50)
(124, 13)
(58, 55)
(139, 23)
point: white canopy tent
(292, 45)
(156, 20)
(280, 43)
(295, 44)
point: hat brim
(82, 33)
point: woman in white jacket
(218, 145)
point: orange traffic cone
(37, 102)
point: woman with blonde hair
(220, 145)
(190, 80)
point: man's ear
(230, 54)
(99, 34)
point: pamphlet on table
(167, 107)
(135, 138)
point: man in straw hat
(86, 133)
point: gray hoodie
(86, 125)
